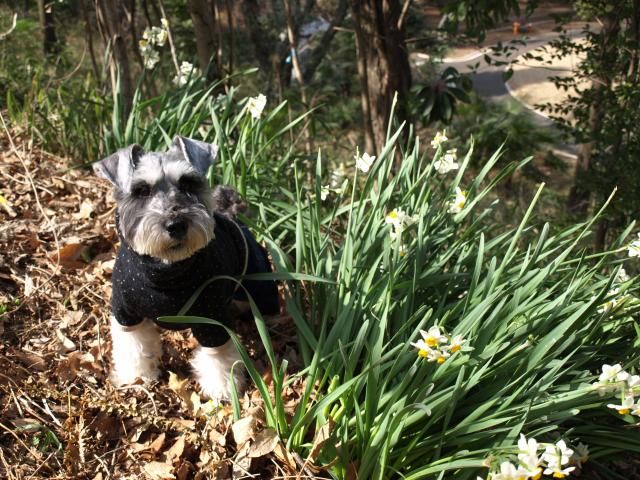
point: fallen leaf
(242, 462)
(86, 209)
(159, 471)
(284, 456)
(322, 437)
(175, 452)
(69, 256)
(265, 442)
(244, 429)
(181, 387)
(66, 344)
(158, 443)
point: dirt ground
(60, 417)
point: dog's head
(164, 201)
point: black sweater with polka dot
(145, 287)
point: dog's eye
(189, 184)
(141, 190)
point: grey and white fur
(165, 216)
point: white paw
(136, 352)
(212, 368)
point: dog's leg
(136, 352)
(212, 367)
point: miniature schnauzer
(176, 234)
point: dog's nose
(177, 228)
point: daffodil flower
(338, 175)
(557, 472)
(324, 192)
(187, 71)
(458, 204)
(455, 344)
(508, 471)
(610, 372)
(634, 247)
(256, 105)
(438, 356)
(433, 337)
(580, 455)
(423, 348)
(622, 276)
(439, 139)
(625, 407)
(556, 457)
(364, 162)
(447, 163)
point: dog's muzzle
(177, 228)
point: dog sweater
(145, 287)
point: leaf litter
(59, 414)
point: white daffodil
(622, 276)
(447, 163)
(455, 344)
(187, 71)
(402, 250)
(324, 192)
(622, 376)
(610, 372)
(528, 449)
(338, 175)
(633, 381)
(458, 204)
(557, 457)
(634, 247)
(625, 407)
(423, 348)
(396, 218)
(165, 23)
(150, 57)
(528, 457)
(439, 139)
(558, 472)
(256, 105)
(508, 471)
(364, 162)
(433, 337)
(636, 410)
(580, 455)
(438, 356)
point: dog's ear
(118, 167)
(199, 154)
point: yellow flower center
(422, 353)
(431, 341)
(558, 475)
(455, 348)
(624, 411)
(393, 214)
(537, 475)
(441, 360)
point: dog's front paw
(212, 367)
(136, 352)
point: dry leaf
(176, 450)
(66, 344)
(158, 443)
(242, 462)
(181, 387)
(284, 456)
(244, 430)
(86, 209)
(159, 471)
(265, 441)
(69, 256)
(322, 437)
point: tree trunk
(113, 23)
(49, 39)
(579, 195)
(205, 31)
(383, 65)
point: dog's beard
(151, 237)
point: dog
(177, 233)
